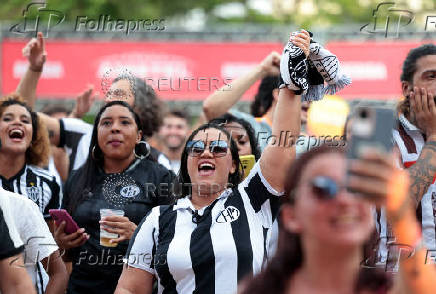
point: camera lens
(363, 113)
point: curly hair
(147, 105)
(39, 150)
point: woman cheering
(214, 236)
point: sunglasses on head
(325, 188)
(217, 148)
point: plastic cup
(105, 236)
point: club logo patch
(34, 193)
(228, 215)
(129, 191)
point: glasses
(325, 188)
(218, 148)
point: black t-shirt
(145, 184)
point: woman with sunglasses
(116, 175)
(326, 240)
(214, 235)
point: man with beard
(172, 134)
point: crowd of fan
(194, 220)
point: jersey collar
(185, 202)
(407, 124)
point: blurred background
(187, 49)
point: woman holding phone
(116, 175)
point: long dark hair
(289, 256)
(87, 174)
(228, 118)
(182, 187)
(264, 97)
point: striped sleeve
(262, 196)
(11, 243)
(142, 246)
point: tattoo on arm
(50, 133)
(423, 172)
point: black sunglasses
(218, 148)
(325, 188)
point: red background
(374, 66)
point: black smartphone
(371, 127)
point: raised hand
(84, 102)
(35, 53)
(270, 66)
(423, 110)
(120, 225)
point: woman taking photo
(117, 175)
(327, 233)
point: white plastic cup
(105, 236)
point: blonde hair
(39, 150)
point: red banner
(178, 71)
(191, 71)
(375, 67)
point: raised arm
(278, 155)
(35, 53)
(422, 173)
(224, 98)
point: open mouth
(206, 169)
(16, 134)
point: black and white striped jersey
(36, 184)
(410, 141)
(210, 250)
(11, 243)
(75, 136)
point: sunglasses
(217, 148)
(325, 188)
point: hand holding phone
(60, 215)
(371, 128)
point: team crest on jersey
(228, 215)
(34, 193)
(129, 191)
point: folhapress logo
(107, 24)
(37, 18)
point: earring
(93, 153)
(147, 148)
